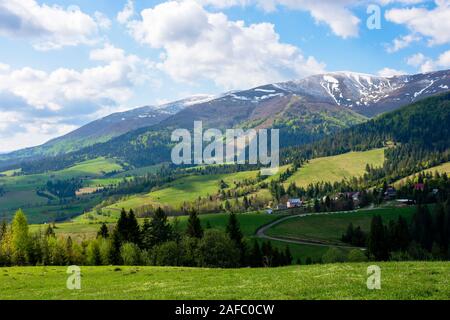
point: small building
(390, 193)
(294, 203)
(281, 206)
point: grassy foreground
(406, 280)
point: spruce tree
(103, 232)
(256, 258)
(158, 230)
(234, 233)
(376, 245)
(133, 231)
(194, 227)
(288, 255)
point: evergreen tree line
(156, 242)
(425, 237)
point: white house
(294, 203)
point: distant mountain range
(305, 109)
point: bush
(217, 250)
(357, 255)
(130, 253)
(167, 254)
(333, 255)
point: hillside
(336, 168)
(305, 110)
(426, 280)
(105, 129)
(443, 168)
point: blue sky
(65, 63)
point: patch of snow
(265, 90)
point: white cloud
(199, 45)
(427, 64)
(60, 100)
(102, 20)
(416, 59)
(388, 72)
(402, 42)
(49, 27)
(334, 13)
(127, 12)
(432, 24)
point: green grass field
(405, 280)
(330, 227)
(337, 168)
(91, 168)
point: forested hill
(420, 132)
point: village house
(294, 203)
(390, 193)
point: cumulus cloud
(427, 64)
(432, 24)
(127, 12)
(389, 72)
(49, 27)
(402, 42)
(334, 13)
(65, 98)
(200, 45)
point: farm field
(330, 227)
(337, 168)
(400, 280)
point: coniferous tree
(3, 229)
(288, 256)
(194, 227)
(103, 232)
(158, 230)
(256, 258)
(234, 232)
(134, 233)
(377, 247)
(114, 253)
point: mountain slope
(106, 128)
(420, 133)
(304, 111)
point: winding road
(260, 233)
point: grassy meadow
(443, 168)
(330, 227)
(337, 168)
(399, 280)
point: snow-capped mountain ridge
(358, 91)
